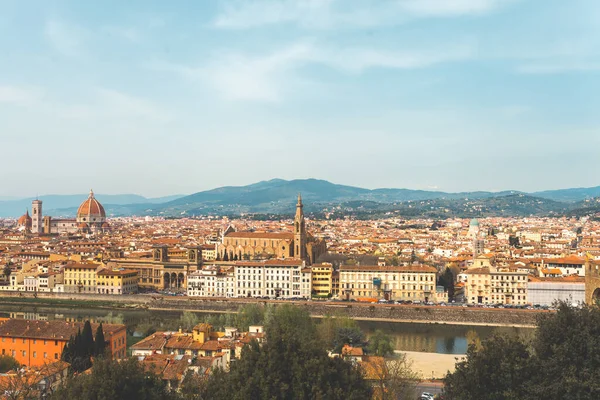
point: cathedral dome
(474, 222)
(91, 211)
(25, 220)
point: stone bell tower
(36, 217)
(299, 231)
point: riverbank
(358, 311)
(432, 365)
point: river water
(432, 338)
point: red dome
(25, 220)
(90, 209)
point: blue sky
(156, 97)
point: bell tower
(299, 231)
(36, 216)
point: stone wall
(403, 313)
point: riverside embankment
(359, 311)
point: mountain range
(277, 196)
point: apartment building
(80, 277)
(413, 282)
(496, 285)
(117, 281)
(322, 279)
(211, 282)
(272, 278)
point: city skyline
(157, 99)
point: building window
(56, 356)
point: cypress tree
(87, 340)
(67, 352)
(99, 343)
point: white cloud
(264, 77)
(325, 14)
(64, 38)
(21, 96)
(443, 8)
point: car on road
(426, 396)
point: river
(431, 338)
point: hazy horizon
(85, 193)
(157, 99)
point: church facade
(262, 245)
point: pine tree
(99, 343)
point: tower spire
(299, 204)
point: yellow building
(119, 281)
(322, 280)
(80, 277)
(413, 282)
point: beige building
(119, 281)
(167, 269)
(496, 285)
(262, 245)
(413, 282)
(80, 277)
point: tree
(292, 364)
(19, 385)
(567, 354)
(499, 371)
(225, 256)
(99, 342)
(446, 280)
(112, 379)
(352, 336)
(7, 363)
(394, 378)
(7, 271)
(189, 320)
(380, 344)
(87, 340)
(79, 349)
(561, 362)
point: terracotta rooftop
(24, 328)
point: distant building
(211, 282)
(496, 285)
(261, 245)
(90, 218)
(322, 279)
(546, 291)
(117, 281)
(413, 282)
(34, 343)
(272, 278)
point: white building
(210, 282)
(491, 285)
(546, 291)
(272, 278)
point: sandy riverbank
(434, 365)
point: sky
(157, 98)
